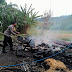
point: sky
(58, 7)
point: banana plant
(28, 17)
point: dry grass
(55, 64)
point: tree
(2, 3)
(46, 19)
(24, 17)
(7, 14)
(27, 18)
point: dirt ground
(10, 58)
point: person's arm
(12, 31)
(16, 31)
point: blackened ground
(11, 58)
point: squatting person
(7, 36)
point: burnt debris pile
(32, 49)
(42, 50)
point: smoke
(47, 31)
(46, 37)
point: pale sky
(58, 7)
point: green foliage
(24, 17)
(7, 14)
(1, 37)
